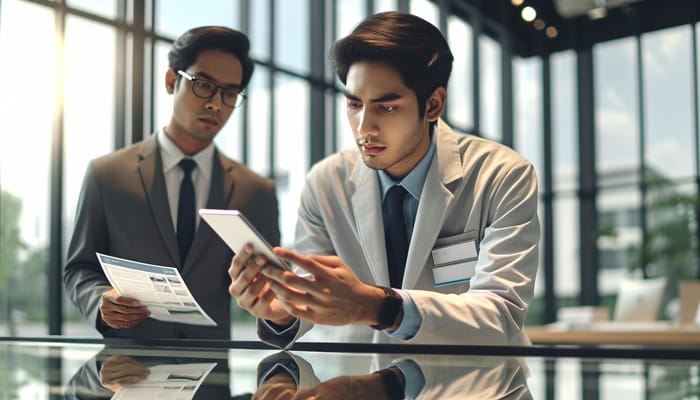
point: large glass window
(567, 276)
(28, 103)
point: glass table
(64, 368)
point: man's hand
(252, 290)
(117, 371)
(346, 387)
(333, 296)
(280, 386)
(120, 312)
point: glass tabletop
(63, 369)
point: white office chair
(639, 299)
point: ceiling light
(539, 24)
(517, 2)
(528, 14)
(551, 32)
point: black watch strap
(391, 307)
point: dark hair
(187, 47)
(407, 43)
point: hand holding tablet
(235, 230)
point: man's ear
(170, 79)
(435, 104)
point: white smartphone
(235, 230)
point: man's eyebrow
(380, 99)
(204, 75)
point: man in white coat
(464, 271)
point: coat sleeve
(83, 277)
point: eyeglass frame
(217, 89)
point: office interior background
(602, 96)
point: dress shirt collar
(171, 155)
(413, 182)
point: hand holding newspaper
(158, 287)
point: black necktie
(395, 235)
(186, 209)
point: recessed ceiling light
(528, 14)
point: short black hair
(186, 49)
(407, 43)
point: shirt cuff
(413, 376)
(411, 318)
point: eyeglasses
(206, 89)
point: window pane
(671, 233)
(343, 133)
(162, 101)
(427, 10)
(349, 13)
(105, 8)
(564, 121)
(668, 102)
(460, 87)
(616, 115)
(291, 148)
(258, 109)
(528, 111)
(87, 134)
(27, 109)
(567, 252)
(292, 34)
(174, 17)
(619, 231)
(490, 96)
(260, 29)
(384, 5)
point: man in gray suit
(140, 202)
(426, 235)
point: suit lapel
(436, 198)
(151, 171)
(220, 192)
(367, 208)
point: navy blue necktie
(395, 235)
(186, 209)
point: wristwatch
(391, 307)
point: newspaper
(158, 287)
(168, 381)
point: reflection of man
(113, 369)
(287, 375)
(139, 203)
(425, 234)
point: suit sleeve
(82, 276)
(493, 310)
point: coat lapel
(436, 198)
(151, 171)
(367, 208)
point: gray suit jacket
(123, 211)
(476, 190)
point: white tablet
(235, 230)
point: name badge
(454, 263)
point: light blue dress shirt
(413, 183)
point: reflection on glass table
(52, 370)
